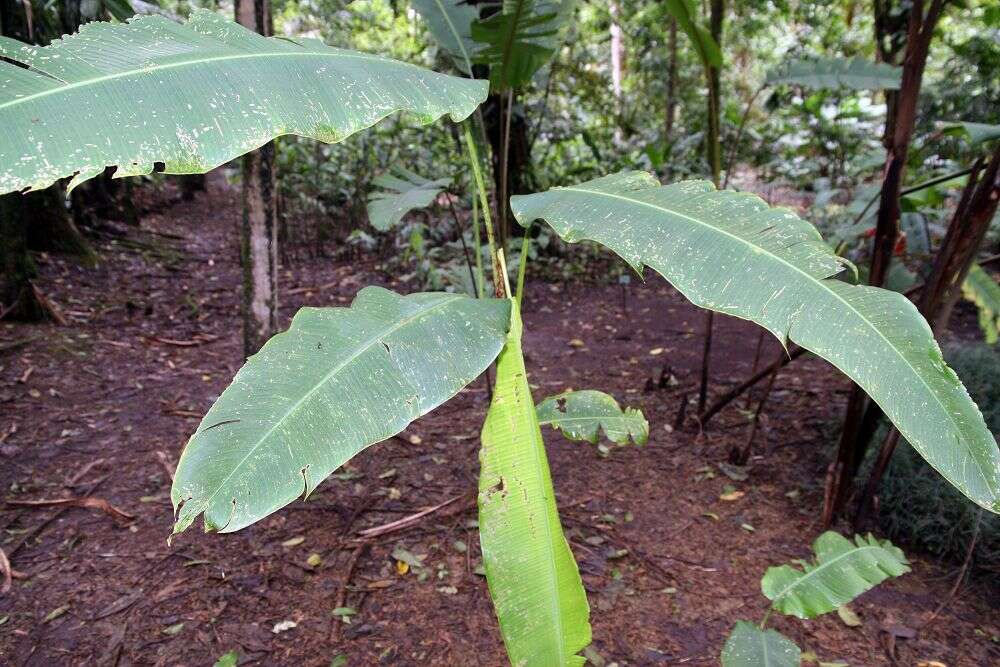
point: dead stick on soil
(406, 521)
(744, 456)
(342, 593)
(75, 479)
(5, 569)
(87, 502)
(736, 391)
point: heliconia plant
(342, 379)
(842, 571)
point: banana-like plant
(342, 379)
(401, 192)
(193, 96)
(843, 570)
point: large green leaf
(854, 73)
(749, 646)
(843, 570)
(450, 22)
(533, 579)
(729, 252)
(402, 191)
(192, 97)
(581, 415)
(339, 380)
(518, 40)
(685, 12)
(976, 133)
(982, 289)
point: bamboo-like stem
(477, 237)
(500, 281)
(523, 266)
(502, 205)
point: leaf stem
(523, 266)
(500, 280)
(763, 622)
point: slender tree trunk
(617, 52)
(899, 132)
(958, 250)
(258, 237)
(17, 298)
(671, 106)
(714, 155)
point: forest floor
(671, 557)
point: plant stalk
(500, 280)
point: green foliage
(686, 14)
(339, 380)
(198, 97)
(919, 508)
(581, 415)
(518, 40)
(853, 73)
(843, 570)
(402, 192)
(982, 289)
(450, 22)
(750, 646)
(533, 579)
(975, 133)
(729, 252)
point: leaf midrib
(458, 36)
(136, 71)
(820, 567)
(821, 284)
(375, 339)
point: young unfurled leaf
(339, 380)
(749, 646)
(450, 23)
(532, 577)
(193, 96)
(519, 39)
(581, 415)
(731, 253)
(402, 191)
(854, 73)
(685, 12)
(843, 570)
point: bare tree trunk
(965, 236)
(617, 50)
(671, 111)
(714, 155)
(899, 132)
(258, 237)
(17, 299)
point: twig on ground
(406, 521)
(5, 570)
(86, 502)
(352, 564)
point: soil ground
(102, 406)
